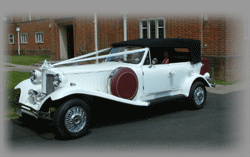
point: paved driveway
(21, 68)
(167, 126)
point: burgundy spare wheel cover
(124, 83)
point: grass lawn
(223, 82)
(27, 60)
(13, 78)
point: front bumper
(29, 110)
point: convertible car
(139, 72)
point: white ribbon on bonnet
(47, 65)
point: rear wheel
(72, 119)
(197, 95)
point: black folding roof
(194, 46)
(166, 42)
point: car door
(155, 79)
(178, 72)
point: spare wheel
(124, 83)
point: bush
(27, 60)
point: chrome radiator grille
(49, 83)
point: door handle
(171, 73)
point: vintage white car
(137, 72)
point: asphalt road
(166, 126)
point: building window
(160, 28)
(11, 39)
(152, 28)
(39, 37)
(24, 38)
(152, 32)
(24, 17)
(144, 29)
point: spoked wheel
(72, 119)
(75, 119)
(197, 95)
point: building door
(70, 41)
(66, 41)
(63, 42)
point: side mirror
(154, 61)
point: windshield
(134, 58)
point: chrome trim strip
(162, 92)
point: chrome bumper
(30, 110)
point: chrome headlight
(57, 80)
(35, 76)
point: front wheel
(72, 119)
(197, 95)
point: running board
(167, 98)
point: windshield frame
(123, 57)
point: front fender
(25, 86)
(66, 91)
(189, 82)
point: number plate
(18, 112)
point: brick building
(67, 36)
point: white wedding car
(138, 72)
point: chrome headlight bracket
(36, 96)
(57, 80)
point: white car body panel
(188, 83)
(63, 92)
(25, 86)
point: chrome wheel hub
(199, 95)
(75, 119)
